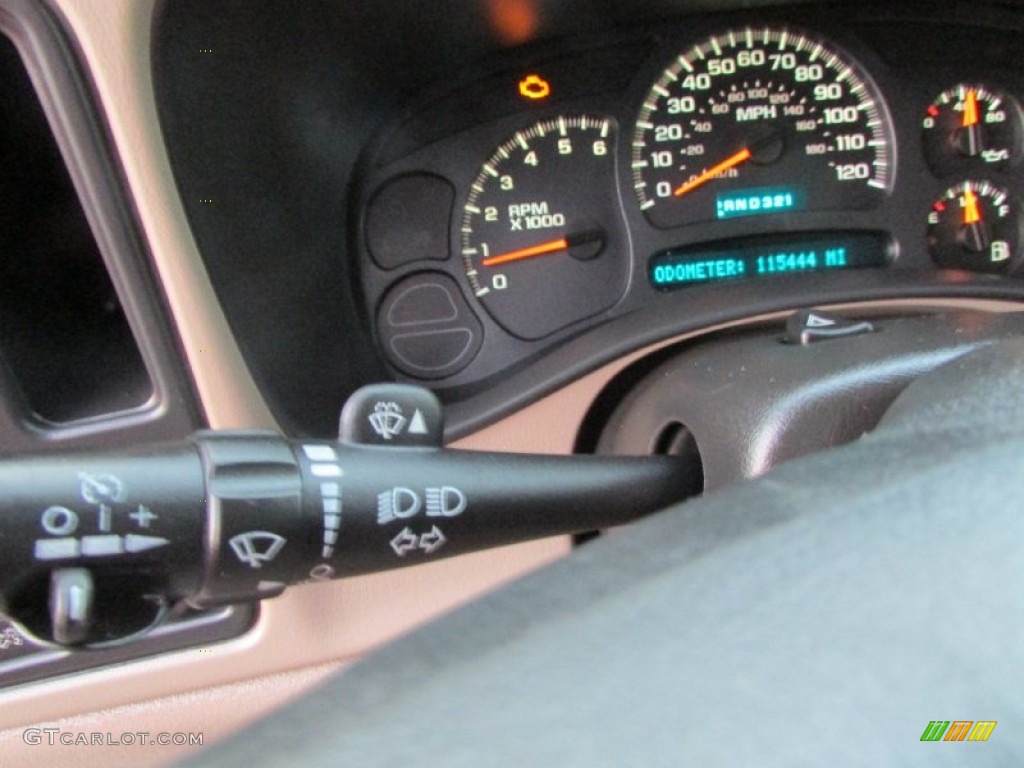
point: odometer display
(755, 109)
(767, 256)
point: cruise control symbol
(247, 547)
(101, 489)
(387, 420)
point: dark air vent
(63, 336)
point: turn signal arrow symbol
(432, 541)
(405, 542)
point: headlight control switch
(100, 547)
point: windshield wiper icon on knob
(256, 547)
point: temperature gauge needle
(551, 246)
(730, 162)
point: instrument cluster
(608, 192)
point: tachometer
(543, 240)
(760, 121)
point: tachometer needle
(551, 246)
(730, 162)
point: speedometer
(760, 121)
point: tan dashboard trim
(113, 37)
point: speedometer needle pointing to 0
(551, 246)
(730, 162)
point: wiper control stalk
(96, 547)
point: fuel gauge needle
(975, 233)
(972, 214)
(541, 249)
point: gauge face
(760, 121)
(543, 239)
(971, 126)
(975, 226)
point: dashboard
(509, 202)
(555, 205)
(522, 133)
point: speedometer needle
(551, 246)
(730, 162)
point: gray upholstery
(819, 616)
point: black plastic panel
(265, 107)
(751, 401)
(63, 333)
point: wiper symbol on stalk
(387, 420)
(247, 547)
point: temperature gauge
(969, 126)
(975, 226)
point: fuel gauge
(975, 226)
(971, 126)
